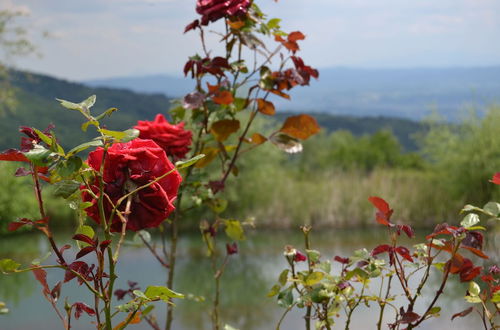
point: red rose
(127, 167)
(174, 139)
(212, 10)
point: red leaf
(408, 230)
(41, 276)
(296, 35)
(84, 238)
(469, 274)
(56, 291)
(477, 252)
(13, 226)
(300, 127)
(409, 317)
(341, 260)
(83, 252)
(104, 244)
(82, 307)
(381, 249)
(80, 267)
(404, 252)
(13, 155)
(380, 204)
(231, 248)
(496, 178)
(463, 313)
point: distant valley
(405, 93)
(37, 107)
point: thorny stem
(438, 292)
(217, 276)
(153, 251)
(173, 238)
(383, 303)
(307, 317)
(351, 309)
(48, 233)
(283, 316)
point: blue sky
(106, 38)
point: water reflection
(249, 276)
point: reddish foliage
(385, 212)
(341, 260)
(231, 248)
(81, 307)
(79, 267)
(199, 67)
(213, 10)
(463, 313)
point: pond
(249, 276)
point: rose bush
(212, 10)
(128, 166)
(174, 139)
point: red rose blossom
(128, 166)
(212, 10)
(174, 139)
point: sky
(91, 39)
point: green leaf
(476, 228)
(285, 298)
(234, 230)
(218, 205)
(69, 167)
(86, 124)
(89, 102)
(45, 138)
(70, 105)
(86, 145)
(87, 231)
(147, 310)
(120, 136)
(474, 289)
(140, 294)
(283, 277)
(325, 266)
(472, 300)
(496, 297)
(66, 188)
(186, 163)
(38, 261)
(493, 208)
(8, 266)
(434, 311)
(314, 277)
(38, 155)
(313, 255)
(162, 292)
(274, 23)
(274, 290)
(470, 220)
(108, 113)
(356, 272)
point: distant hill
(408, 93)
(37, 107)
